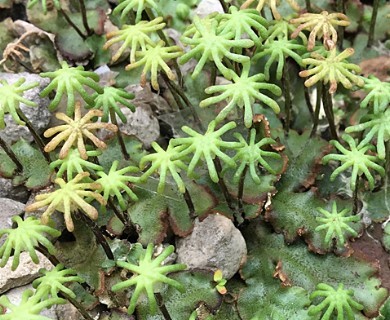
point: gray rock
(15, 297)
(206, 7)
(67, 312)
(215, 243)
(39, 116)
(25, 273)
(17, 193)
(9, 208)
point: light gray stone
(17, 193)
(8, 209)
(215, 243)
(206, 7)
(39, 115)
(25, 273)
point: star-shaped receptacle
(243, 92)
(44, 3)
(378, 94)
(11, 95)
(69, 80)
(209, 45)
(134, 37)
(154, 59)
(138, 6)
(338, 302)
(69, 197)
(147, 274)
(251, 155)
(273, 4)
(336, 224)
(355, 158)
(116, 181)
(320, 25)
(74, 132)
(332, 69)
(162, 162)
(28, 234)
(206, 146)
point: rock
(25, 273)
(67, 312)
(17, 193)
(15, 297)
(206, 7)
(39, 115)
(9, 208)
(215, 243)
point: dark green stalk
(11, 155)
(77, 305)
(240, 194)
(222, 185)
(387, 165)
(318, 107)
(98, 234)
(340, 31)
(162, 306)
(70, 22)
(84, 17)
(308, 102)
(54, 261)
(224, 5)
(189, 202)
(179, 102)
(355, 197)
(308, 6)
(373, 23)
(328, 108)
(119, 214)
(287, 96)
(119, 135)
(38, 140)
(213, 76)
(163, 37)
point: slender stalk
(308, 102)
(190, 204)
(179, 103)
(119, 135)
(119, 214)
(38, 140)
(355, 197)
(11, 155)
(213, 75)
(84, 17)
(287, 96)
(222, 185)
(241, 185)
(318, 107)
(308, 6)
(163, 37)
(373, 23)
(162, 307)
(76, 28)
(224, 5)
(98, 234)
(54, 261)
(328, 108)
(340, 31)
(77, 305)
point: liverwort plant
(272, 4)
(125, 6)
(340, 301)
(147, 274)
(242, 92)
(378, 94)
(69, 80)
(27, 236)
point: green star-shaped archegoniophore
(281, 29)
(321, 25)
(272, 4)
(206, 146)
(69, 80)
(355, 158)
(155, 58)
(243, 92)
(336, 224)
(378, 94)
(279, 50)
(111, 99)
(139, 6)
(333, 69)
(377, 125)
(241, 22)
(207, 43)
(11, 95)
(134, 37)
(75, 130)
(71, 196)
(113, 183)
(338, 302)
(162, 162)
(148, 274)
(73, 163)
(32, 3)
(28, 234)
(53, 281)
(29, 308)
(251, 155)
